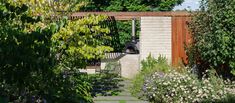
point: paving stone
(125, 95)
(106, 101)
(136, 102)
(119, 102)
(110, 98)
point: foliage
(24, 53)
(149, 66)
(213, 36)
(150, 63)
(124, 31)
(75, 43)
(112, 67)
(49, 7)
(40, 58)
(131, 5)
(82, 39)
(159, 83)
(184, 88)
(124, 27)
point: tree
(213, 35)
(131, 5)
(40, 56)
(81, 40)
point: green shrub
(40, 57)
(184, 88)
(213, 36)
(152, 64)
(149, 66)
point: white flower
(154, 95)
(200, 91)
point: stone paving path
(123, 97)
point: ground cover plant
(184, 87)
(165, 84)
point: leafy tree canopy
(131, 5)
(48, 7)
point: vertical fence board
(180, 39)
(174, 40)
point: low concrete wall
(130, 65)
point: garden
(42, 51)
(209, 76)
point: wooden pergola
(179, 26)
(132, 15)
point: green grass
(122, 101)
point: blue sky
(193, 4)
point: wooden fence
(180, 39)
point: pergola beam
(131, 15)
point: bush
(40, 58)
(149, 66)
(213, 36)
(184, 88)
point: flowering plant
(183, 87)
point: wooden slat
(174, 40)
(184, 35)
(180, 37)
(131, 15)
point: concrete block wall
(155, 37)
